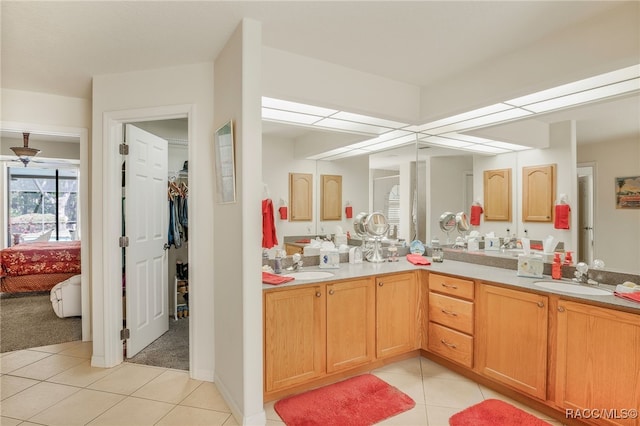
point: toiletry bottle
(568, 259)
(556, 267)
(277, 267)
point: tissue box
(492, 243)
(530, 265)
(311, 251)
(329, 258)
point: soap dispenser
(556, 267)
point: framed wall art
(225, 166)
(628, 192)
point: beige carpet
(28, 321)
(171, 350)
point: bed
(38, 266)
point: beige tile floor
(56, 385)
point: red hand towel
(418, 259)
(631, 296)
(476, 211)
(562, 216)
(274, 279)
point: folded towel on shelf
(274, 279)
(630, 296)
(418, 259)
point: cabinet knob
(380, 284)
(332, 291)
(560, 308)
(318, 294)
(541, 304)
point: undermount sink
(309, 275)
(572, 288)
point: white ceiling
(56, 47)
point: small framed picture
(225, 166)
(628, 192)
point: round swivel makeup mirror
(371, 227)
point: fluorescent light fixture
(350, 153)
(464, 116)
(485, 120)
(578, 86)
(296, 107)
(486, 149)
(446, 142)
(350, 126)
(382, 138)
(348, 116)
(287, 116)
(508, 146)
(586, 96)
(404, 140)
(468, 138)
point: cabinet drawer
(452, 312)
(451, 344)
(452, 286)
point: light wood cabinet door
(301, 196)
(397, 300)
(497, 195)
(331, 197)
(350, 324)
(511, 335)
(538, 193)
(295, 334)
(598, 360)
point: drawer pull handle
(318, 294)
(455, 287)
(451, 345)
(453, 314)
(541, 304)
(560, 308)
(331, 291)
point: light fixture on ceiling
(25, 153)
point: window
(42, 201)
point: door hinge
(124, 334)
(124, 149)
(124, 241)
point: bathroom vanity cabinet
(538, 193)
(512, 338)
(497, 195)
(551, 350)
(597, 363)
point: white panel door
(146, 213)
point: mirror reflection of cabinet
(301, 196)
(497, 195)
(331, 197)
(538, 193)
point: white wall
(187, 87)
(45, 109)
(49, 149)
(278, 160)
(561, 151)
(237, 260)
(308, 80)
(616, 231)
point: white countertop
(492, 274)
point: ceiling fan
(25, 153)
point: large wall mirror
(591, 145)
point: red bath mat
(493, 412)
(358, 401)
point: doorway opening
(165, 344)
(586, 211)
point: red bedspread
(41, 258)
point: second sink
(572, 288)
(309, 275)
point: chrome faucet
(582, 274)
(297, 262)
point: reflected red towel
(274, 279)
(561, 220)
(418, 259)
(304, 241)
(631, 296)
(476, 211)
